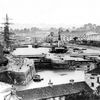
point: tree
(75, 39)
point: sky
(45, 13)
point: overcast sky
(51, 12)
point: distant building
(93, 36)
(82, 35)
(93, 78)
(55, 92)
(67, 36)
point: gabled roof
(95, 71)
(54, 91)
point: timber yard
(65, 68)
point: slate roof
(54, 91)
(95, 71)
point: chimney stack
(72, 81)
(50, 83)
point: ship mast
(6, 33)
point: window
(88, 66)
(78, 66)
(92, 84)
(94, 74)
(91, 77)
(98, 80)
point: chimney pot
(50, 83)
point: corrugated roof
(54, 91)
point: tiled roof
(54, 91)
(95, 71)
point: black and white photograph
(49, 49)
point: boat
(59, 48)
(55, 49)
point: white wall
(89, 80)
(85, 66)
(93, 37)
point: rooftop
(54, 91)
(95, 71)
(57, 77)
(30, 51)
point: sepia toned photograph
(49, 50)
